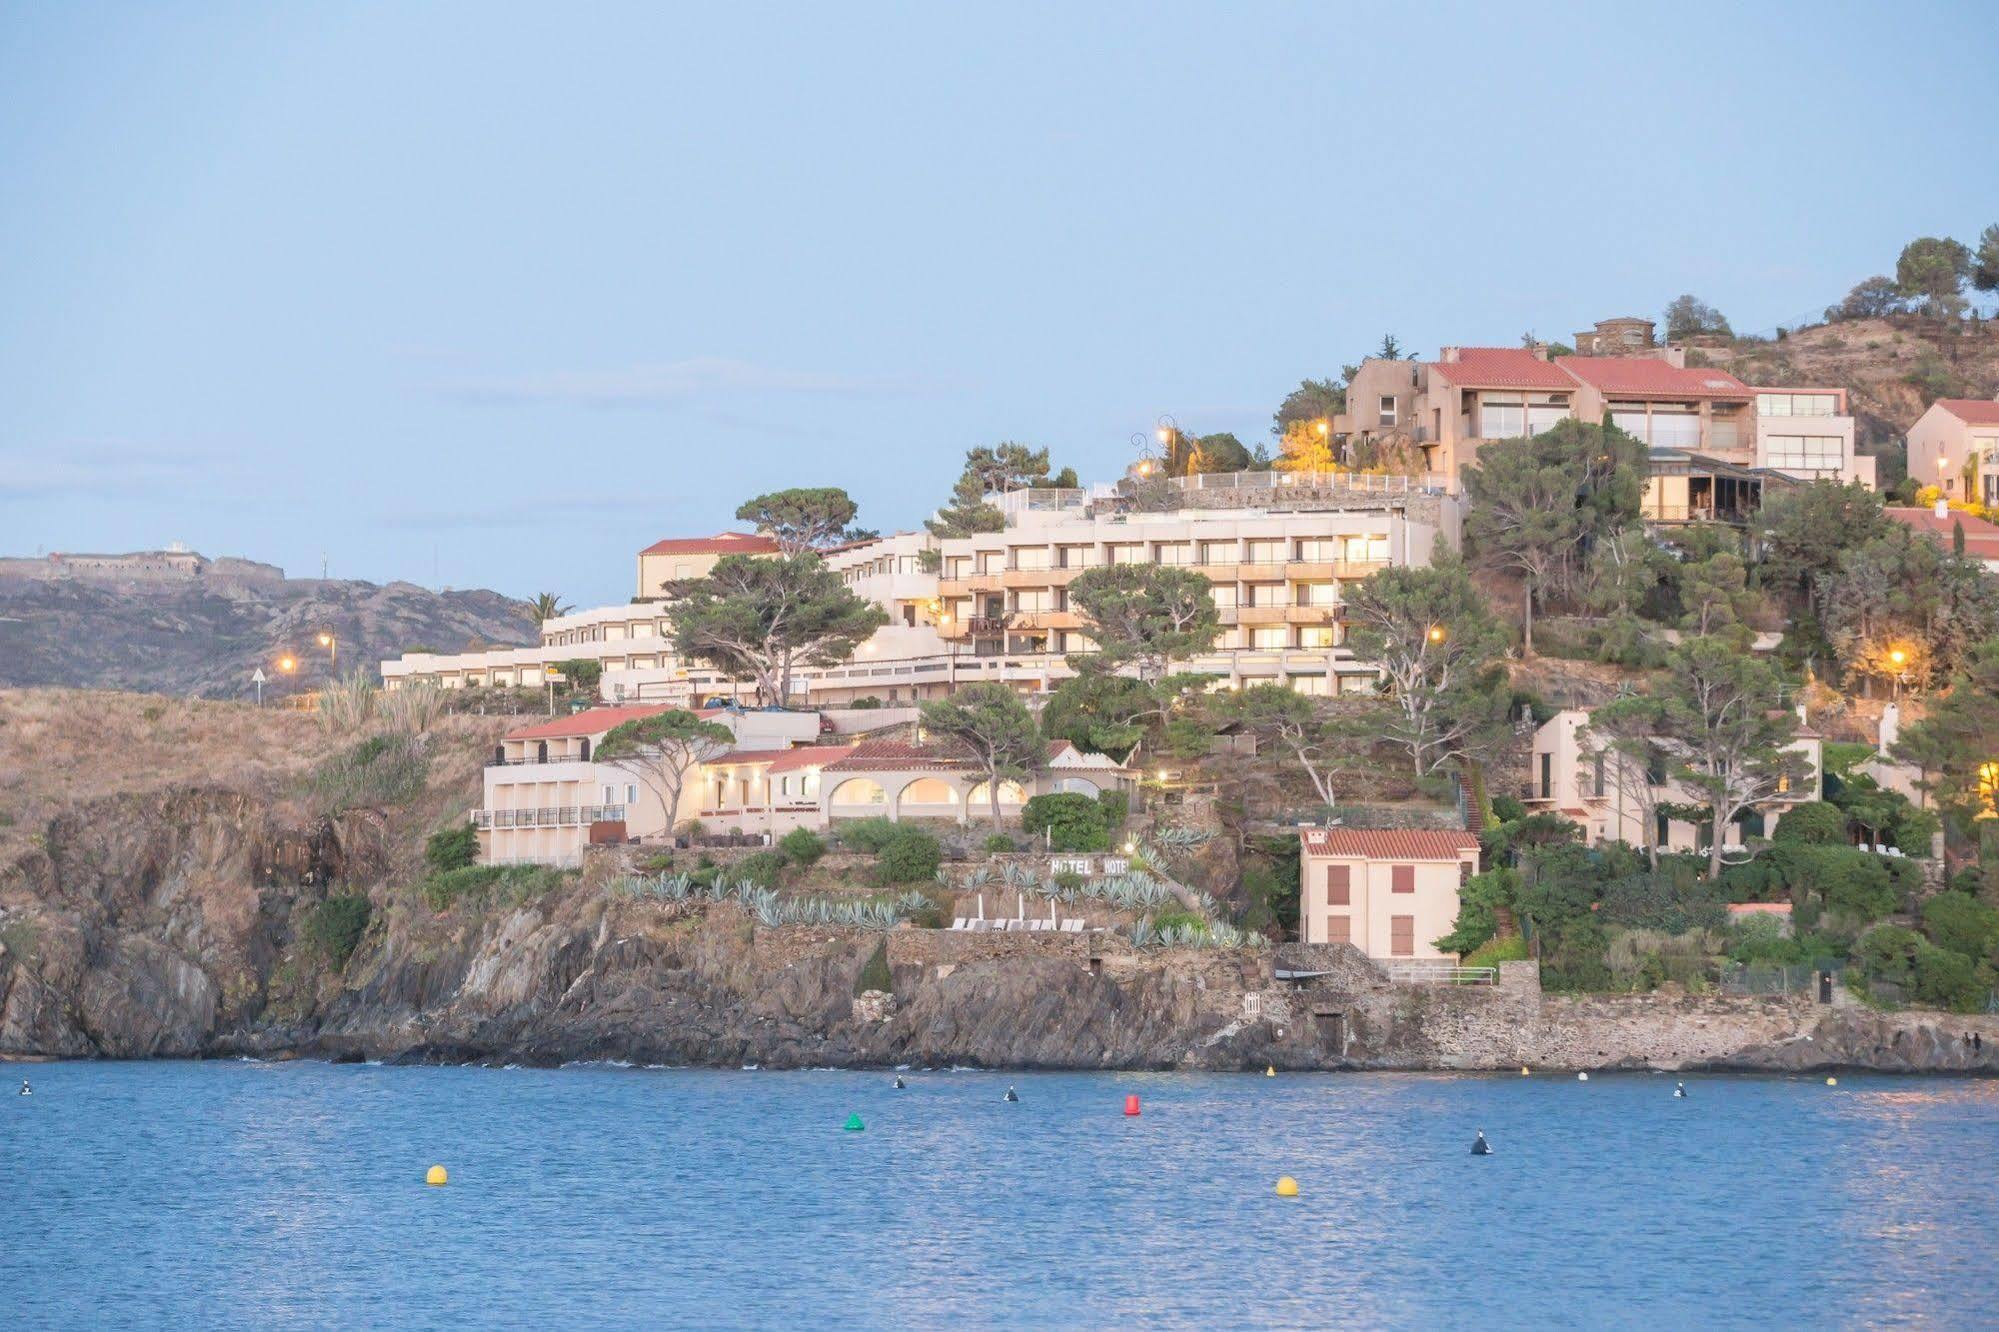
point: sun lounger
(1072, 927)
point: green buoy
(854, 1124)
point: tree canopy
(989, 469)
(1312, 400)
(1688, 316)
(759, 617)
(1985, 260)
(1932, 271)
(659, 750)
(802, 519)
(990, 722)
(1146, 614)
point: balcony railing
(1365, 482)
(1439, 973)
(548, 816)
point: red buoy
(1131, 1104)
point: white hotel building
(1280, 548)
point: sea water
(245, 1194)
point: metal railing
(1439, 973)
(1366, 482)
(548, 816)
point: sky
(493, 295)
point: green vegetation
(1145, 615)
(988, 471)
(335, 926)
(763, 868)
(910, 855)
(875, 974)
(802, 846)
(991, 723)
(867, 835)
(998, 843)
(381, 771)
(659, 750)
(584, 674)
(757, 617)
(505, 885)
(804, 519)
(1070, 821)
(452, 848)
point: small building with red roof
(1954, 446)
(1390, 892)
(676, 558)
(1942, 523)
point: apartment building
(546, 797)
(1278, 548)
(1954, 446)
(1572, 774)
(676, 558)
(1390, 892)
(1715, 441)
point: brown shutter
(1403, 879)
(1339, 929)
(1402, 936)
(1338, 879)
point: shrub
(1072, 822)
(1116, 806)
(660, 862)
(1513, 948)
(1178, 919)
(911, 855)
(802, 846)
(1814, 822)
(508, 884)
(452, 848)
(1887, 954)
(1069, 881)
(335, 927)
(869, 835)
(1949, 980)
(875, 974)
(1962, 924)
(762, 868)
(998, 842)
(383, 770)
(584, 673)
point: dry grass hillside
(64, 747)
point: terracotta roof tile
(900, 756)
(722, 543)
(1981, 538)
(593, 722)
(1972, 411)
(1388, 843)
(782, 760)
(1649, 377)
(1501, 368)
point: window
(1270, 637)
(1129, 552)
(1367, 549)
(1266, 552)
(1223, 595)
(1596, 776)
(1547, 775)
(1318, 594)
(1318, 550)
(1797, 404)
(1218, 552)
(1545, 411)
(1805, 453)
(958, 566)
(610, 795)
(1339, 885)
(1031, 557)
(1387, 411)
(1318, 636)
(1073, 557)
(1339, 929)
(1402, 936)
(992, 561)
(1402, 879)
(1501, 416)
(1174, 552)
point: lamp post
(1899, 659)
(331, 643)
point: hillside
(203, 637)
(1892, 369)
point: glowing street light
(287, 663)
(1436, 634)
(332, 646)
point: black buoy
(1679, 1091)
(898, 1082)
(1012, 1095)
(26, 1090)
(1479, 1146)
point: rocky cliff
(172, 926)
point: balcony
(550, 816)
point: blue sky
(488, 295)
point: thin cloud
(661, 383)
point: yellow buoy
(436, 1177)
(1832, 1082)
(1287, 1187)
(1270, 1072)
(1523, 1070)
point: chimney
(1891, 728)
(1448, 355)
(1540, 350)
(1942, 509)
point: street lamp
(1899, 659)
(1436, 634)
(287, 663)
(332, 646)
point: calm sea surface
(237, 1194)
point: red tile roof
(782, 760)
(1388, 843)
(1759, 908)
(594, 722)
(1981, 538)
(1649, 377)
(1501, 368)
(722, 543)
(900, 756)
(1972, 411)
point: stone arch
(858, 791)
(927, 791)
(1012, 793)
(1077, 786)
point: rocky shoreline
(169, 929)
